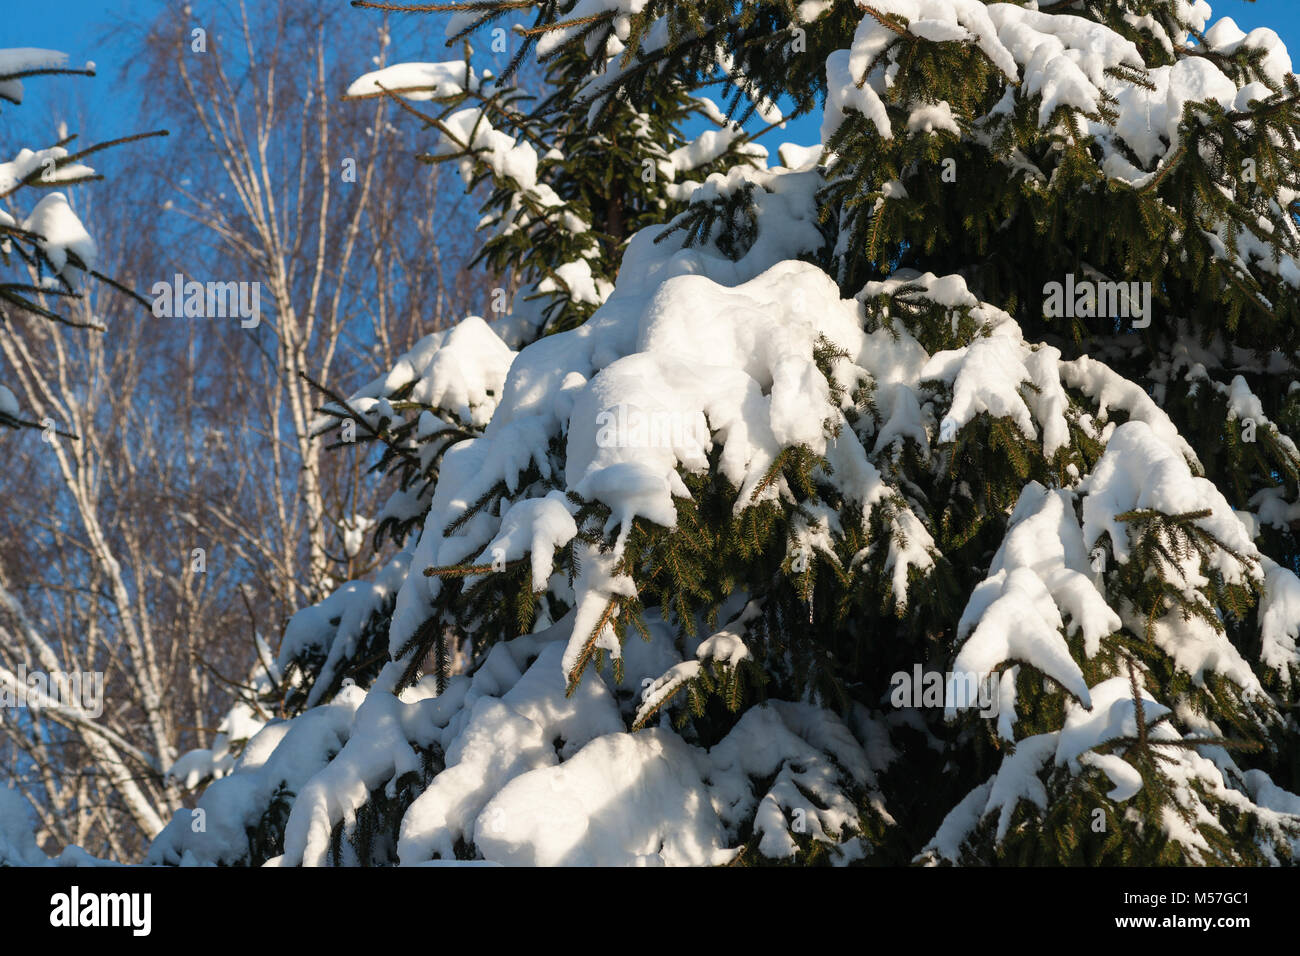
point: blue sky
(84, 29)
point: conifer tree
(997, 385)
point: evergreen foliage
(936, 437)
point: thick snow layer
(41, 161)
(16, 60)
(240, 724)
(1053, 61)
(748, 369)
(1061, 59)
(1040, 572)
(459, 372)
(997, 374)
(1109, 390)
(61, 232)
(986, 377)
(958, 825)
(1113, 715)
(501, 739)
(466, 372)
(535, 775)
(623, 800)
(1111, 719)
(709, 146)
(470, 129)
(1149, 118)
(535, 527)
(651, 799)
(933, 118)
(585, 10)
(283, 752)
(1125, 777)
(335, 625)
(1140, 472)
(792, 741)
(1279, 620)
(1017, 621)
(1226, 37)
(417, 81)
(1017, 779)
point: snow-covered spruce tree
(560, 202)
(998, 383)
(561, 199)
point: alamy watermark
(959, 691)
(626, 426)
(1086, 299)
(75, 909)
(192, 299)
(35, 689)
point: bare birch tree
(165, 546)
